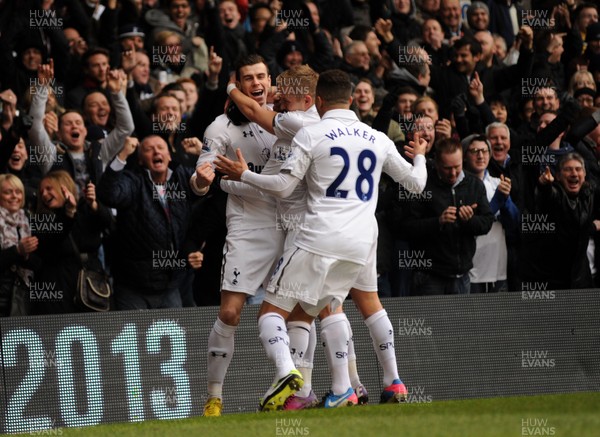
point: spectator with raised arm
(84, 161)
(153, 206)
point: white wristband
(230, 88)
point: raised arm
(45, 152)
(118, 188)
(412, 177)
(251, 109)
(124, 127)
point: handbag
(94, 292)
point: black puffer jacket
(145, 233)
(449, 247)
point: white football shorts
(248, 258)
(312, 280)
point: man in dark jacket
(555, 258)
(442, 225)
(153, 212)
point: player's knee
(230, 316)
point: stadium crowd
(105, 104)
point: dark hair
(474, 45)
(542, 40)
(497, 98)
(161, 95)
(583, 6)
(334, 87)
(92, 52)
(360, 32)
(70, 111)
(446, 146)
(407, 90)
(249, 60)
(172, 87)
(169, 2)
(255, 8)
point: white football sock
(303, 360)
(382, 333)
(335, 335)
(352, 369)
(274, 338)
(220, 352)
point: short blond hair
(15, 182)
(302, 81)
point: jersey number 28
(365, 174)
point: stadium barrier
(86, 369)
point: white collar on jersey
(340, 114)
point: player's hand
(416, 147)
(466, 212)
(204, 175)
(192, 146)
(195, 260)
(546, 178)
(505, 185)
(232, 169)
(448, 216)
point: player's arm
(412, 177)
(279, 185)
(241, 189)
(251, 109)
(215, 142)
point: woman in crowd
(65, 227)
(16, 245)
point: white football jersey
(341, 160)
(286, 125)
(223, 138)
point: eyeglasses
(475, 152)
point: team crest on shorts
(236, 273)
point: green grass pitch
(576, 414)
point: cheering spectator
(66, 225)
(445, 224)
(153, 212)
(16, 243)
(489, 272)
(558, 258)
(84, 162)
